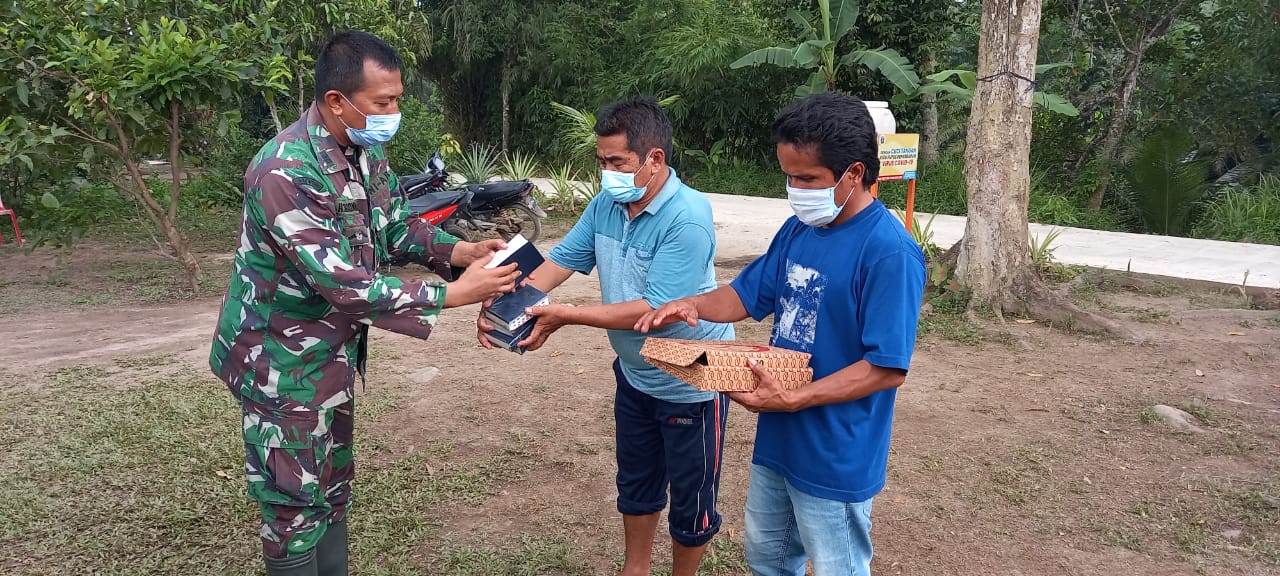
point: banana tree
(817, 51)
(577, 134)
(941, 83)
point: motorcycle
(503, 208)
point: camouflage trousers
(299, 467)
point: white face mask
(816, 207)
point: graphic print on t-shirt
(801, 296)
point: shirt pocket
(636, 272)
(355, 227)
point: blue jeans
(785, 526)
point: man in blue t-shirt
(843, 281)
(653, 240)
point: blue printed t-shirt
(664, 254)
(843, 294)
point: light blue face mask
(816, 207)
(378, 128)
(621, 186)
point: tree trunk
(1124, 93)
(506, 108)
(302, 98)
(929, 151)
(175, 159)
(275, 113)
(1111, 144)
(137, 188)
(993, 259)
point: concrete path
(745, 225)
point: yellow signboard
(899, 156)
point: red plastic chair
(12, 218)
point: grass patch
(953, 327)
(96, 481)
(948, 318)
(151, 361)
(152, 294)
(136, 271)
(1124, 538)
(92, 299)
(77, 375)
(1203, 413)
(1194, 521)
(534, 555)
(1148, 314)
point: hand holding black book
(507, 312)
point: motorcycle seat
(412, 180)
(495, 190)
(436, 200)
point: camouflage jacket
(318, 222)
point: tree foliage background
(218, 78)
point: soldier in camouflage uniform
(322, 214)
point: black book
(507, 312)
(510, 341)
(523, 253)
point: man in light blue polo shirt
(653, 240)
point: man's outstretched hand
(550, 318)
(466, 253)
(677, 310)
(479, 284)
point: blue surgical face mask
(621, 186)
(816, 207)
(378, 128)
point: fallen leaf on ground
(222, 474)
(557, 354)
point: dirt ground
(1029, 452)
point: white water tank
(883, 118)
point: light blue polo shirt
(666, 253)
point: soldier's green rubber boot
(299, 565)
(331, 552)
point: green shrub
(421, 127)
(741, 177)
(1054, 209)
(941, 188)
(1165, 184)
(519, 166)
(478, 164)
(227, 156)
(70, 211)
(1251, 215)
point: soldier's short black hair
(340, 65)
(837, 127)
(644, 122)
